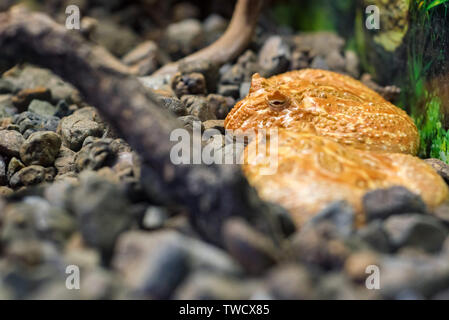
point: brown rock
(5, 191)
(192, 83)
(10, 143)
(440, 167)
(214, 124)
(41, 148)
(28, 176)
(218, 105)
(357, 263)
(3, 176)
(81, 124)
(65, 160)
(14, 166)
(24, 97)
(253, 250)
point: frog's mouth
(240, 114)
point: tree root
(231, 44)
(211, 193)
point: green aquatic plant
(435, 3)
(419, 58)
(426, 58)
(434, 139)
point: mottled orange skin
(337, 140)
(315, 171)
(326, 104)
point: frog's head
(266, 106)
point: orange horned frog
(327, 104)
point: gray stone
(18, 224)
(7, 108)
(6, 87)
(154, 217)
(375, 236)
(242, 71)
(30, 77)
(183, 38)
(102, 211)
(251, 249)
(335, 286)
(208, 69)
(63, 109)
(143, 58)
(335, 61)
(290, 282)
(65, 160)
(5, 191)
(198, 107)
(321, 246)
(185, 10)
(174, 105)
(188, 122)
(218, 105)
(191, 83)
(214, 124)
(117, 38)
(300, 60)
(10, 143)
(166, 268)
(229, 90)
(136, 252)
(275, 55)
(3, 176)
(94, 155)
(214, 26)
(319, 63)
(51, 222)
(382, 203)
(232, 152)
(422, 275)
(415, 230)
(321, 43)
(357, 264)
(26, 96)
(28, 176)
(42, 108)
(41, 148)
(440, 167)
(80, 125)
(142, 51)
(210, 286)
(14, 166)
(59, 193)
(442, 213)
(29, 122)
(340, 215)
(244, 89)
(352, 63)
(157, 82)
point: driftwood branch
(232, 43)
(211, 193)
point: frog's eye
(277, 100)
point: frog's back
(331, 105)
